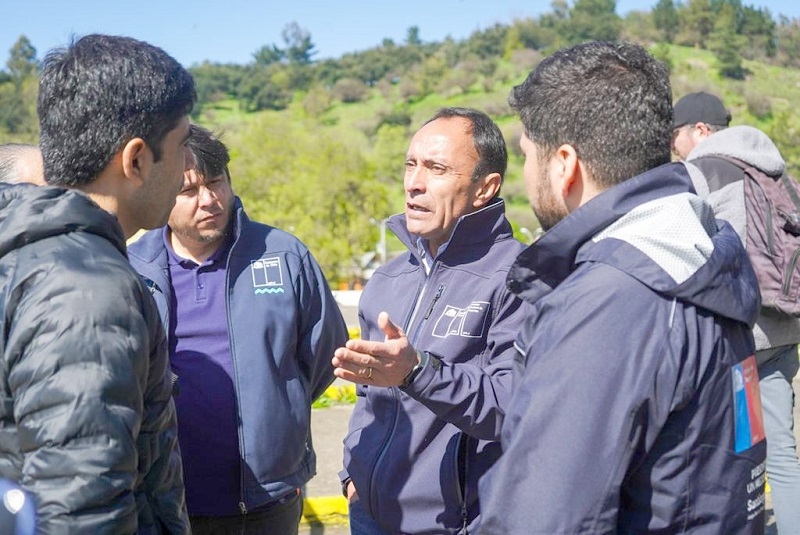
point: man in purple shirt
(252, 327)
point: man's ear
(700, 131)
(137, 159)
(566, 173)
(489, 186)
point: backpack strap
(790, 189)
(719, 171)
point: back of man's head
(99, 93)
(701, 107)
(210, 154)
(21, 163)
(612, 102)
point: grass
(336, 395)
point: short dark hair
(10, 156)
(99, 93)
(210, 154)
(612, 102)
(486, 137)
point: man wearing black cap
(697, 116)
(701, 136)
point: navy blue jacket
(415, 454)
(635, 407)
(283, 325)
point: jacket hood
(469, 230)
(745, 143)
(31, 213)
(655, 229)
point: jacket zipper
(462, 491)
(436, 297)
(239, 432)
(393, 390)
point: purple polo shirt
(206, 403)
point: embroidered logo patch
(468, 322)
(748, 420)
(267, 275)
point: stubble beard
(547, 210)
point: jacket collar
(545, 264)
(486, 225)
(31, 213)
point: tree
(697, 20)
(665, 18)
(295, 176)
(488, 43)
(22, 60)
(349, 90)
(18, 96)
(788, 42)
(215, 81)
(268, 54)
(536, 35)
(758, 28)
(726, 43)
(258, 89)
(412, 36)
(18, 110)
(299, 48)
(592, 19)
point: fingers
(362, 376)
(352, 359)
(391, 330)
(353, 366)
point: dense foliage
(318, 146)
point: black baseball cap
(701, 107)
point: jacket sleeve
(76, 355)
(161, 496)
(471, 396)
(580, 412)
(322, 328)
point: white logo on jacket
(267, 275)
(468, 322)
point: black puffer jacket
(87, 422)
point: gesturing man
(438, 327)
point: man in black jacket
(87, 421)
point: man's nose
(415, 179)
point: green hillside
(318, 147)
(766, 99)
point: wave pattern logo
(267, 275)
(260, 291)
(468, 322)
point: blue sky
(231, 30)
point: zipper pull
(242, 508)
(436, 297)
